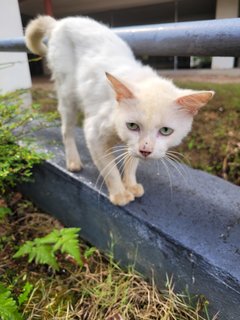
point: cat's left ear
(121, 91)
(195, 101)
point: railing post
(48, 8)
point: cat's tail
(36, 31)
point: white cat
(123, 101)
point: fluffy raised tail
(36, 30)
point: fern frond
(42, 250)
(68, 243)
(38, 252)
(8, 306)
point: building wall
(14, 69)
(225, 9)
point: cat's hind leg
(68, 112)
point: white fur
(80, 52)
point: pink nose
(145, 153)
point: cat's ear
(121, 91)
(195, 101)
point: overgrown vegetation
(43, 250)
(17, 161)
(214, 143)
(45, 271)
(94, 289)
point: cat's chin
(148, 158)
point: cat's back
(86, 34)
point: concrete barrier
(191, 232)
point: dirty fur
(123, 101)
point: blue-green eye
(165, 131)
(132, 126)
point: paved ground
(203, 75)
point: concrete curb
(192, 232)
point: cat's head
(155, 115)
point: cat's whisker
(173, 163)
(179, 163)
(101, 174)
(117, 148)
(114, 163)
(176, 160)
(129, 162)
(169, 175)
(179, 154)
(176, 165)
(126, 161)
(113, 152)
(158, 168)
(174, 156)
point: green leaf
(25, 249)
(3, 212)
(24, 296)
(8, 306)
(89, 252)
(44, 255)
(42, 250)
(68, 243)
(51, 238)
(17, 156)
(38, 252)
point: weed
(4, 212)
(43, 250)
(213, 144)
(16, 158)
(8, 306)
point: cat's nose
(145, 153)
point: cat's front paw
(121, 199)
(136, 189)
(74, 166)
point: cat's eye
(165, 131)
(132, 126)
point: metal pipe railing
(198, 38)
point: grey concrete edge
(151, 245)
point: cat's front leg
(129, 177)
(106, 162)
(107, 166)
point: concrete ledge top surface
(196, 210)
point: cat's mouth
(142, 155)
(147, 156)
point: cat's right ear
(121, 91)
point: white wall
(16, 76)
(225, 9)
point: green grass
(97, 290)
(214, 143)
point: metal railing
(198, 38)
